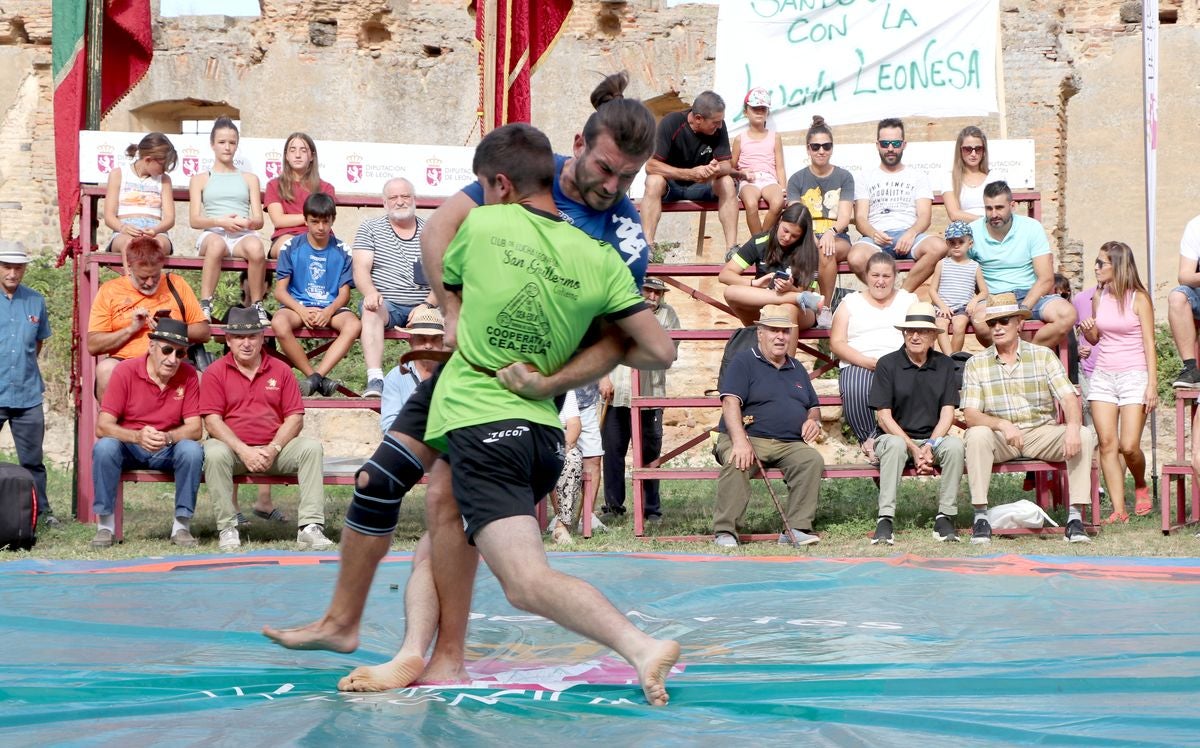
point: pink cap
(758, 96)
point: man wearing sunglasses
(892, 210)
(1008, 398)
(150, 418)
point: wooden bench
(1181, 478)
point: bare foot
(398, 672)
(321, 634)
(444, 671)
(654, 669)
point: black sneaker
(981, 532)
(310, 384)
(327, 387)
(1189, 379)
(943, 529)
(1075, 532)
(612, 514)
(883, 532)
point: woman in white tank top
(138, 200)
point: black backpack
(18, 508)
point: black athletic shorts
(502, 469)
(412, 418)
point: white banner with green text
(858, 60)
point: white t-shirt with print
(893, 197)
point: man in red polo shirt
(253, 412)
(150, 418)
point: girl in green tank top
(225, 203)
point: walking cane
(775, 499)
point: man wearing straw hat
(150, 418)
(769, 413)
(914, 394)
(426, 330)
(1008, 398)
(26, 325)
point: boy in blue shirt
(312, 286)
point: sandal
(272, 516)
(1115, 517)
(1144, 504)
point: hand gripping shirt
(531, 285)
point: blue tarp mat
(903, 651)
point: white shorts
(231, 239)
(1118, 387)
(589, 437)
(762, 180)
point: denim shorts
(1193, 297)
(397, 313)
(896, 234)
(700, 192)
(1041, 304)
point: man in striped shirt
(387, 271)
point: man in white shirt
(893, 209)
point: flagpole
(489, 65)
(1150, 125)
(94, 42)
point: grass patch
(845, 518)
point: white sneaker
(597, 525)
(825, 318)
(311, 537)
(229, 541)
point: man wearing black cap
(150, 418)
(253, 412)
(616, 432)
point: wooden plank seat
(1179, 474)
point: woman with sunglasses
(1124, 385)
(964, 201)
(828, 193)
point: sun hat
(758, 96)
(655, 283)
(427, 320)
(775, 315)
(243, 321)
(13, 253)
(1004, 305)
(920, 316)
(170, 331)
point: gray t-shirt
(821, 195)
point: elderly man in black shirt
(769, 409)
(914, 394)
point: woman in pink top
(758, 155)
(1124, 384)
(299, 177)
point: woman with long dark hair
(785, 270)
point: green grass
(845, 519)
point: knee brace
(389, 474)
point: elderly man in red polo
(150, 418)
(253, 412)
